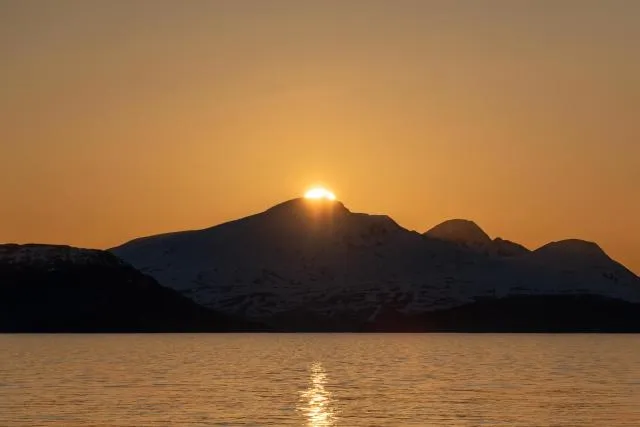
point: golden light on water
(319, 193)
(317, 401)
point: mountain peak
(309, 207)
(573, 248)
(460, 231)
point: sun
(319, 193)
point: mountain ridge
(319, 258)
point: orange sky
(120, 119)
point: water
(320, 380)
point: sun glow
(319, 193)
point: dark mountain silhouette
(45, 288)
(460, 231)
(469, 235)
(531, 313)
(507, 248)
(315, 265)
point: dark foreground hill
(532, 313)
(45, 288)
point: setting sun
(319, 193)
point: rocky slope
(315, 264)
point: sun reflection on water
(316, 400)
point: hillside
(46, 288)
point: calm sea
(319, 380)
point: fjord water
(320, 380)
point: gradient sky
(126, 118)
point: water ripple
(319, 380)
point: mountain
(315, 265)
(460, 231)
(46, 288)
(468, 234)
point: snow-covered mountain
(48, 288)
(314, 259)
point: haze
(121, 119)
